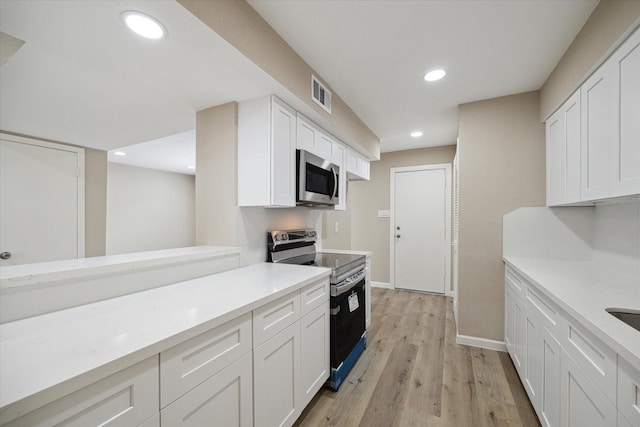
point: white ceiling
(374, 54)
(173, 153)
(82, 78)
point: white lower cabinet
(193, 361)
(314, 343)
(276, 366)
(549, 402)
(292, 364)
(126, 398)
(226, 399)
(583, 404)
(261, 368)
(569, 375)
(628, 394)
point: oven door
(347, 322)
(317, 180)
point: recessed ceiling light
(120, 153)
(191, 167)
(416, 134)
(434, 75)
(143, 24)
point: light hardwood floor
(414, 374)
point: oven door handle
(346, 285)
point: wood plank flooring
(414, 374)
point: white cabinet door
(628, 392)
(323, 146)
(563, 153)
(533, 356)
(283, 154)
(625, 155)
(509, 320)
(598, 122)
(276, 369)
(266, 153)
(305, 135)
(339, 158)
(357, 166)
(520, 337)
(126, 398)
(583, 404)
(555, 130)
(314, 352)
(310, 138)
(549, 400)
(223, 400)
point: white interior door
(41, 201)
(421, 204)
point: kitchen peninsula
(117, 357)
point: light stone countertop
(40, 273)
(584, 290)
(43, 356)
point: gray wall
(501, 151)
(148, 209)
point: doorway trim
(447, 202)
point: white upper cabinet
(563, 153)
(597, 132)
(625, 156)
(603, 119)
(266, 153)
(357, 166)
(312, 139)
(339, 158)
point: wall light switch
(384, 214)
(337, 227)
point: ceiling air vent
(320, 94)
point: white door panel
(421, 205)
(41, 201)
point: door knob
(5, 255)
(397, 235)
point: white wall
(608, 234)
(148, 209)
(617, 236)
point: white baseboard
(381, 285)
(481, 343)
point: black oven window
(319, 181)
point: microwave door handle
(335, 183)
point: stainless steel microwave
(317, 180)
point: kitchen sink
(628, 316)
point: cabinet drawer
(126, 398)
(544, 309)
(628, 392)
(517, 282)
(272, 318)
(226, 399)
(596, 359)
(190, 363)
(313, 295)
